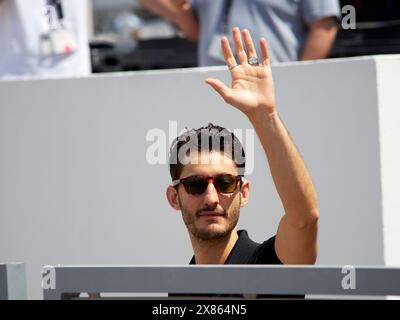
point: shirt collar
(241, 252)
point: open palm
(252, 85)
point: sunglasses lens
(225, 183)
(195, 185)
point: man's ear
(245, 193)
(172, 196)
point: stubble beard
(231, 217)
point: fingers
(245, 49)
(220, 87)
(240, 51)
(228, 55)
(248, 41)
(264, 51)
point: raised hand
(252, 87)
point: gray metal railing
(64, 281)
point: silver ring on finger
(253, 61)
(233, 67)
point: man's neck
(213, 251)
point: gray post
(13, 281)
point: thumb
(220, 87)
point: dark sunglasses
(197, 184)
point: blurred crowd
(44, 38)
(51, 37)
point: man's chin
(211, 232)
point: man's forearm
(288, 170)
(186, 20)
(320, 39)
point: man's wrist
(263, 115)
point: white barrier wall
(76, 187)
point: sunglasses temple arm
(175, 182)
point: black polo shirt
(246, 251)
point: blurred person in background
(44, 38)
(295, 29)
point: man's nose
(211, 195)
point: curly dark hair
(208, 138)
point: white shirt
(21, 24)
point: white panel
(388, 70)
